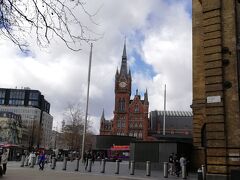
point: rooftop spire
(124, 60)
(102, 118)
(124, 50)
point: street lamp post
(85, 122)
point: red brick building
(130, 115)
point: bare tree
(46, 19)
(73, 128)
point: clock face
(122, 84)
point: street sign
(213, 99)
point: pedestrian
(4, 159)
(31, 158)
(41, 160)
(183, 162)
(93, 158)
(176, 165)
(89, 156)
(170, 161)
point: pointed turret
(146, 97)
(102, 117)
(123, 69)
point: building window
(119, 124)
(2, 93)
(33, 103)
(122, 105)
(135, 125)
(1, 101)
(140, 135)
(140, 125)
(135, 134)
(123, 124)
(33, 95)
(130, 133)
(130, 124)
(136, 108)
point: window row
(136, 134)
(121, 124)
(120, 133)
(17, 94)
(107, 127)
(16, 102)
(135, 125)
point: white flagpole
(164, 112)
(85, 122)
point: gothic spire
(146, 97)
(124, 61)
(103, 117)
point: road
(15, 172)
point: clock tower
(123, 81)
(130, 115)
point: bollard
(64, 164)
(132, 167)
(103, 165)
(22, 160)
(165, 169)
(184, 172)
(53, 163)
(203, 172)
(148, 168)
(77, 165)
(89, 165)
(32, 162)
(199, 172)
(117, 167)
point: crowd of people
(176, 164)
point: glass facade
(17, 94)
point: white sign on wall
(213, 99)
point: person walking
(42, 160)
(177, 167)
(31, 158)
(89, 156)
(183, 162)
(170, 161)
(4, 160)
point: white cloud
(61, 75)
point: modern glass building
(34, 111)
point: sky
(159, 50)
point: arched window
(122, 105)
(135, 134)
(140, 135)
(136, 108)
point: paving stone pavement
(15, 172)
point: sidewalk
(15, 172)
